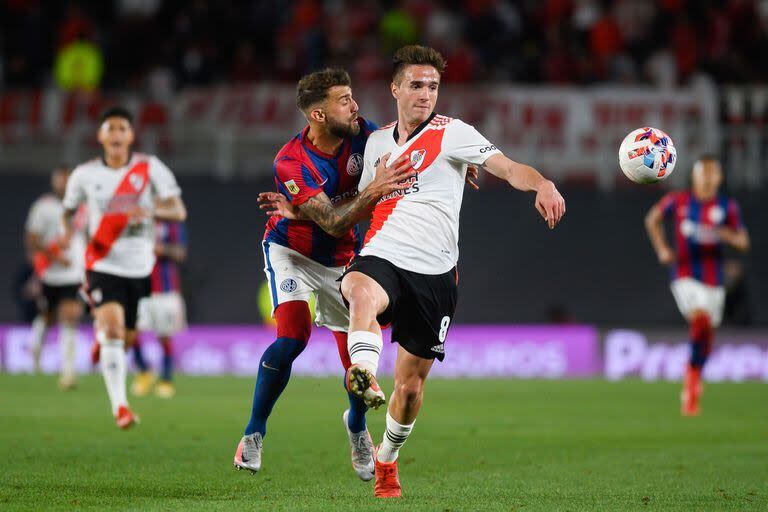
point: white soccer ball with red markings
(647, 155)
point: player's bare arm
(337, 220)
(736, 238)
(67, 220)
(276, 204)
(654, 225)
(170, 209)
(549, 202)
(52, 252)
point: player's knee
(410, 390)
(362, 301)
(113, 332)
(69, 313)
(294, 321)
(701, 328)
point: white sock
(68, 345)
(113, 369)
(37, 337)
(394, 438)
(364, 349)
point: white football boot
(362, 450)
(248, 454)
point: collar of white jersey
(416, 131)
(131, 154)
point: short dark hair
(313, 88)
(116, 111)
(416, 55)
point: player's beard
(343, 130)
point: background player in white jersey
(406, 272)
(163, 312)
(123, 191)
(60, 271)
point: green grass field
(478, 445)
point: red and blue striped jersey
(165, 274)
(302, 171)
(697, 242)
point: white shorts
(162, 313)
(691, 295)
(293, 276)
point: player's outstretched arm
(338, 220)
(171, 209)
(654, 225)
(549, 202)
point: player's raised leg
(109, 320)
(701, 334)
(360, 442)
(69, 312)
(294, 325)
(367, 299)
(410, 375)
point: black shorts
(53, 295)
(421, 306)
(126, 291)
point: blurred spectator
(560, 41)
(79, 66)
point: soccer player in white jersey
(124, 191)
(60, 272)
(406, 272)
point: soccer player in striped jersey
(163, 312)
(124, 191)
(704, 222)
(318, 170)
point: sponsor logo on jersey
(487, 148)
(413, 182)
(417, 157)
(345, 195)
(716, 215)
(355, 164)
(289, 285)
(440, 349)
(292, 187)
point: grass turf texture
(478, 445)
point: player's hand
(276, 204)
(137, 214)
(666, 255)
(390, 178)
(726, 235)
(472, 177)
(550, 204)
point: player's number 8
(444, 323)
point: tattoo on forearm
(337, 220)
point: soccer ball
(647, 155)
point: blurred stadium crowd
(171, 44)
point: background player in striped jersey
(124, 191)
(405, 273)
(318, 168)
(704, 221)
(163, 312)
(60, 271)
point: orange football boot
(387, 484)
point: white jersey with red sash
(117, 246)
(44, 220)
